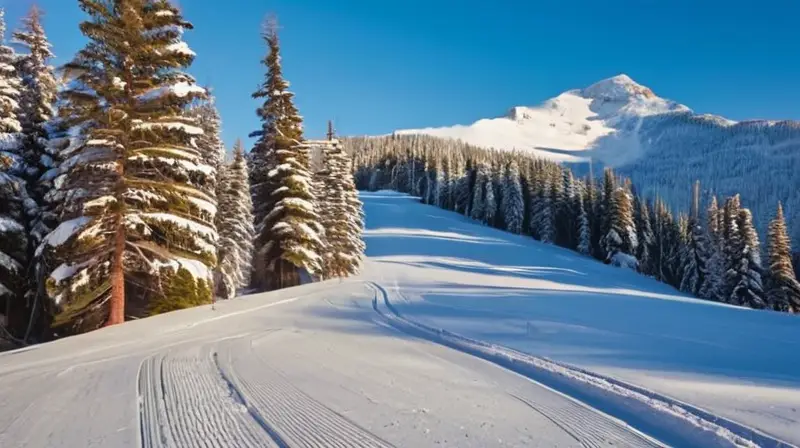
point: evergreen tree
(695, 250)
(644, 236)
(710, 288)
(543, 219)
(287, 231)
(731, 248)
(620, 242)
(137, 193)
(490, 200)
(341, 214)
(565, 211)
(13, 193)
(584, 230)
(38, 94)
(783, 292)
(513, 205)
(478, 210)
(748, 287)
(234, 222)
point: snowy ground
(407, 356)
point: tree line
(118, 198)
(714, 254)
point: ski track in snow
(700, 427)
(318, 367)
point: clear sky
(378, 65)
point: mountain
(663, 146)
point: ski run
(455, 334)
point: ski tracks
(223, 395)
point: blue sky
(378, 65)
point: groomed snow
(397, 357)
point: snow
(582, 123)
(65, 231)
(180, 89)
(172, 125)
(579, 354)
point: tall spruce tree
(136, 230)
(746, 277)
(341, 214)
(513, 205)
(235, 226)
(584, 230)
(695, 249)
(286, 223)
(644, 235)
(620, 242)
(13, 193)
(713, 280)
(783, 289)
(38, 94)
(478, 210)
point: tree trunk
(116, 312)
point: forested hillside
(711, 252)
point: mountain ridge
(662, 145)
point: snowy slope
(365, 363)
(661, 145)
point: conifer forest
(119, 199)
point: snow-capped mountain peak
(617, 88)
(567, 127)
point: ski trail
(670, 421)
(186, 402)
(298, 419)
(587, 427)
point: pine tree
(543, 218)
(783, 293)
(478, 210)
(713, 280)
(584, 230)
(341, 214)
(644, 236)
(695, 255)
(746, 276)
(513, 205)
(13, 193)
(620, 242)
(490, 200)
(731, 248)
(286, 224)
(565, 211)
(38, 94)
(137, 193)
(234, 222)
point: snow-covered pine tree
(281, 184)
(565, 211)
(620, 242)
(584, 230)
(341, 215)
(604, 207)
(39, 91)
(439, 184)
(712, 282)
(544, 216)
(695, 250)
(783, 290)
(478, 210)
(749, 287)
(234, 222)
(513, 205)
(137, 193)
(13, 194)
(644, 235)
(490, 204)
(731, 248)
(210, 143)
(38, 95)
